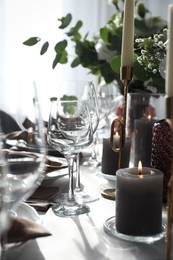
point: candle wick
(140, 172)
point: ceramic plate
(54, 174)
(106, 176)
(28, 212)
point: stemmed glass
(23, 165)
(69, 132)
(90, 95)
(106, 96)
(82, 90)
(25, 162)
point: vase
(143, 111)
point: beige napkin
(23, 230)
(40, 199)
(17, 135)
(44, 192)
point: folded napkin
(23, 230)
(41, 198)
(17, 135)
(44, 193)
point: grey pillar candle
(110, 158)
(139, 201)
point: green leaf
(140, 72)
(116, 64)
(108, 74)
(53, 99)
(60, 58)
(104, 34)
(86, 53)
(32, 41)
(56, 60)
(75, 62)
(60, 46)
(74, 30)
(63, 59)
(66, 97)
(142, 10)
(70, 107)
(44, 48)
(65, 21)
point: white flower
(154, 71)
(104, 53)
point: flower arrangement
(101, 55)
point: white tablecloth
(83, 237)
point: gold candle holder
(169, 115)
(126, 76)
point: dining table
(83, 237)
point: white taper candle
(128, 34)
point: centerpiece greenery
(101, 54)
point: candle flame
(140, 168)
(149, 117)
(117, 135)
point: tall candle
(169, 66)
(128, 34)
(139, 201)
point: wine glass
(106, 95)
(82, 90)
(21, 123)
(69, 132)
(92, 101)
(23, 165)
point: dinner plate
(22, 145)
(108, 177)
(26, 211)
(55, 167)
(54, 174)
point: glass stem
(78, 186)
(70, 161)
(94, 152)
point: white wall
(2, 36)
(158, 7)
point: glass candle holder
(143, 111)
